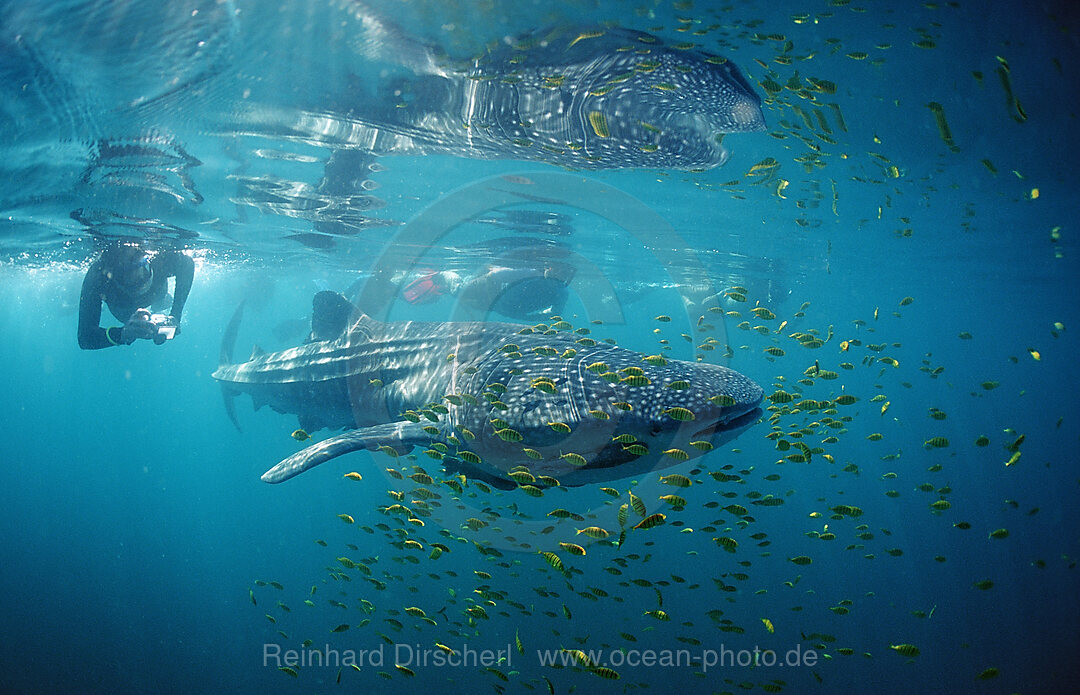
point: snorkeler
(129, 279)
(521, 293)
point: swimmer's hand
(138, 326)
(166, 328)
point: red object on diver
(424, 289)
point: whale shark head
(588, 97)
(716, 401)
(605, 414)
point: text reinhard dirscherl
(417, 656)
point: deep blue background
(133, 522)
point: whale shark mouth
(737, 423)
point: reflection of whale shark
(485, 398)
(529, 221)
(589, 98)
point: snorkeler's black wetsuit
(98, 287)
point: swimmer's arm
(180, 266)
(91, 335)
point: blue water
(133, 520)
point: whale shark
(583, 97)
(492, 401)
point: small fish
(605, 672)
(572, 548)
(300, 435)
(908, 650)
(651, 521)
(552, 559)
(574, 459)
(676, 480)
(580, 657)
(942, 125)
(509, 435)
(728, 544)
(679, 413)
(599, 124)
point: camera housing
(166, 330)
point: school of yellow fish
(687, 557)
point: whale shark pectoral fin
(230, 406)
(395, 434)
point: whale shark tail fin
(228, 342)
(399, 436)
(379, 38)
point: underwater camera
(166, 330)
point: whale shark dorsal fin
(256, 351)
(228, 340)
(331, 315)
